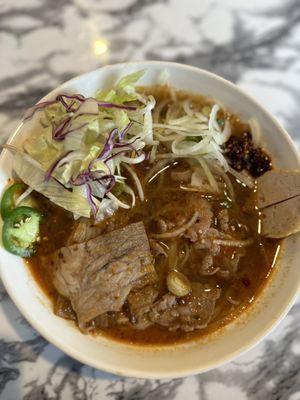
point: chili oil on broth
(163, 194)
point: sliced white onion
(188, 130)
(212, 122)
(189, 147)
(210, 177)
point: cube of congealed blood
(276, 186)
(282, 219)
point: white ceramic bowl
(189, 358)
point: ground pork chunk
(203, 207)
(140, 303)
(223, 220)
(188, 313)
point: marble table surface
(43, 43)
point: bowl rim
(76, 353)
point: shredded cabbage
(77, 155)
(124, 90)
(31, 173)
(84, 145)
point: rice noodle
(186, 256)
(158, 109)
(153, 151)
(117, 201)
(212, 272)
(181, 176)
(178, 231)
(201, 117)
(219, 171)
(230, 299)
(156, 168)
(232, 243)
(160, 174)
(234, 302)
(136, 181)
(173, 255)
(128, 190)
(191, 189)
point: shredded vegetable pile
(85, 144)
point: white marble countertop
(43, 43)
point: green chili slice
(9, 198)
(20, 231)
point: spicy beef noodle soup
(183, 262)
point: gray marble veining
(43, 43)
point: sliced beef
(183, 210)
(223, 220)
(207, 245)
(63, 308)
(98, 275)
(205, 218)
(169, 224)
(107, 320)
(85, 229)
(188, 313)
(157, 248)
(207, 266)
(206, 241)
(163, 225)
(228, 263)
(182, 176)
(140, 303)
